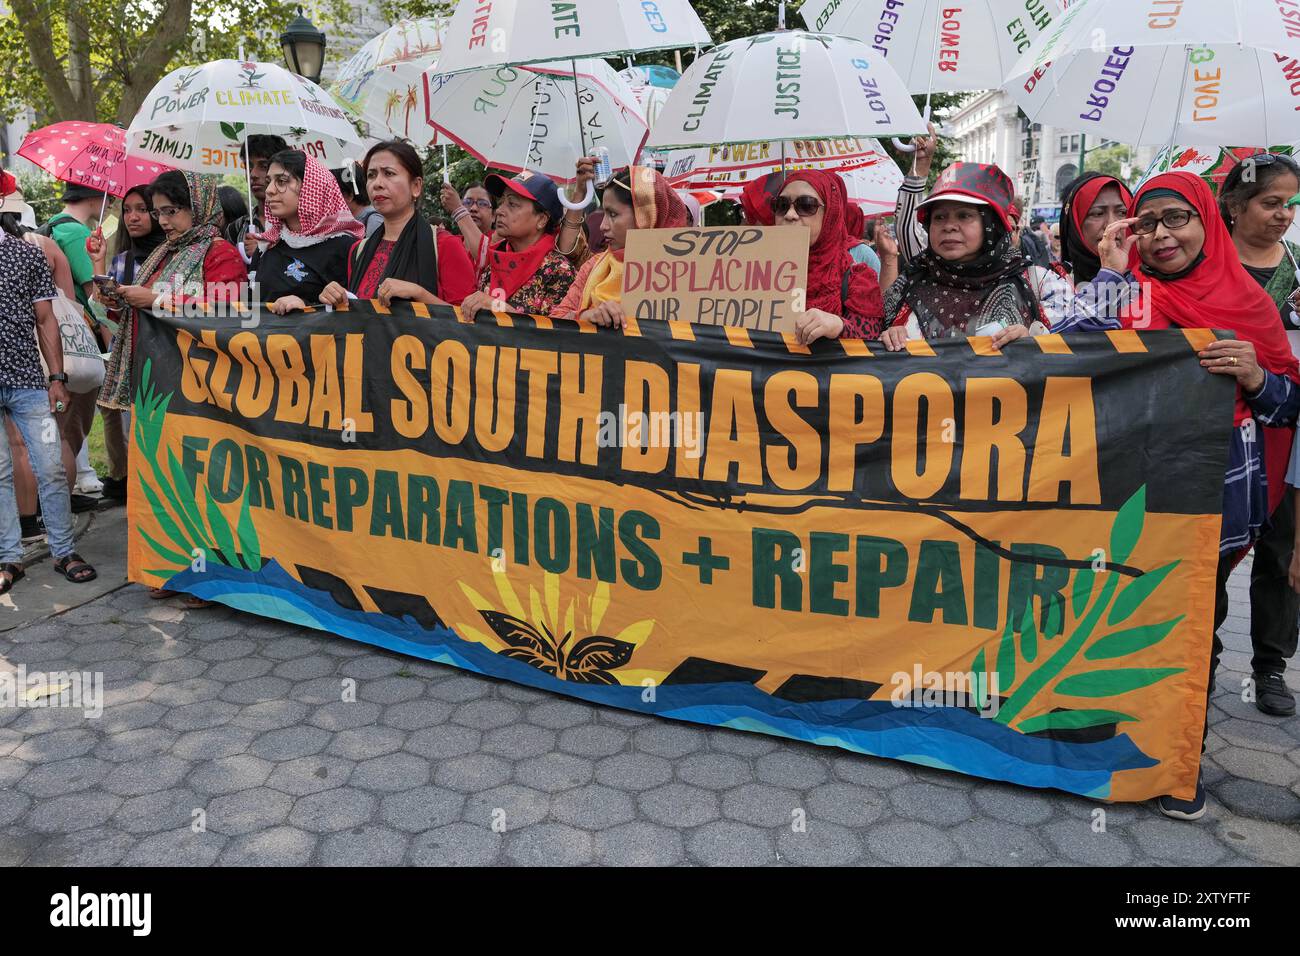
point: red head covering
(756, 199)
(322, 210)
(1086, 195)
(1218, 293)
(829, 259)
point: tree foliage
(98, 59)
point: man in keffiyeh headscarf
(194, 258)
(637, 198)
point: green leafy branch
(175, 504)
(1115, 644)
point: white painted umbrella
(516, 118)
(786, 86)
(939, 45)
(383, 83)
(196, 118)
(651, 86)
(870, 174)
(518, 32)
(1194, 72)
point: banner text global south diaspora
(823, 572)
(781, 428)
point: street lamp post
(304, 48)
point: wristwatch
(60, 377)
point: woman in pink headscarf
(309, 232)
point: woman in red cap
(1172, 264)
(525, 271)
(972, 278)
(843, 295)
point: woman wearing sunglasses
(1172, 264)
(637, 198)
(972, 278)
(843, 295)
(1256, 205)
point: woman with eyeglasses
(972, 278)
(1255, 202)
(843, 295)
(308, 236)
(637, 198)
(192, 262)
(473, 215)
(1172, 264)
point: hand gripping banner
(1001, 564)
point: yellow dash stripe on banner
(342, 306)
(737, 335)
(682, 331)
(585, 326)
(1126, 340)
(504, 320)
(1199, 338)
(380, 307)
(631, 326)
(792, 344)
(855, 347)
(1052, 345)
(420, 309)
(543, 322)
(982, 345)
(919, 347)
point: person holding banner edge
(1254, 202)
(1191, 277)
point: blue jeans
(30, 409)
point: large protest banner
(998, 563)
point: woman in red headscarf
(844, 297)
(1172, 264)
(1089, 204)
(637, 198)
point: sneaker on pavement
(88, 484)
(1192, 809)
(1272, 696)
(31, 528)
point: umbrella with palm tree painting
(382, 83)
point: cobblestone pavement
(237, 722)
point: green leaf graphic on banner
(1007, 656)
(981, 679)
(1127, 529)
(1134, 593)
(1071, 720)
(1112, 682)
(1083, 579)
(251, 554)
(1029, 634)
(1130, 641)
(220, 529)
(1055, 620)
(232, 131)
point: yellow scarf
(605, 281)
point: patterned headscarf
(175, 264)
(322, 212)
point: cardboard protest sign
(740, 276)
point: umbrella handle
(584, 202)
(903, 147)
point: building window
(1074, 143)
(1065, 144)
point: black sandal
(15, 574)
(75, 569)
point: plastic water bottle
(604, 172)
